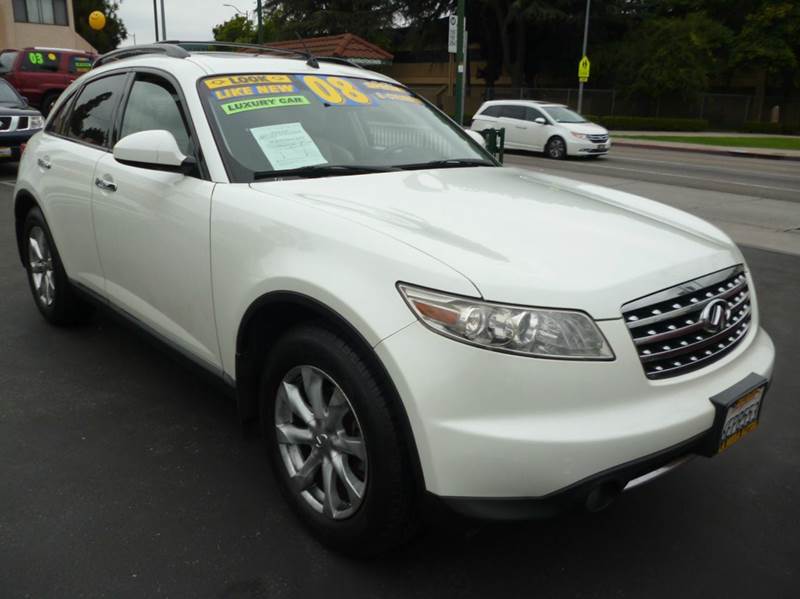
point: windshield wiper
(322, 170)
(450, 163)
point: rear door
(75, 139)
(153, 228)
(512, 118)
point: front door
(153, 230)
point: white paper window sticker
(287, 146)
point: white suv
(543, 127)
(408, 320)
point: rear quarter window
(491, 111)
(41, 61)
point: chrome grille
(598, 139)
(670, 336)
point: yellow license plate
(742, 418)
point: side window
(493, 110)
(154, 104)
(58, 121)
(514, 111)
(93, 111)
(79, 63)
(44, 61)
(531, 114)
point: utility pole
(155, 16)
(585, 39)
(460, 63)
(259, 22)
(163, 22)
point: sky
(186, 19)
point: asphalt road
(124, 475)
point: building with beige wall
(48, 23)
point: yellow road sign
(583, 69)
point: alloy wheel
(321, 442)
(40, 261)
(557, 148)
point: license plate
(741, 418)
(601, 146)
(5, 152)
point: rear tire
(341, 457)
(55, 298)
(556, 148)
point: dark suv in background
(41, 74)
(18, 122)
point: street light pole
(460, 63)
(259, 32)
(163, 22)
(155, 16)
(585, 39)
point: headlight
(512, 329)
(35, 122)
(579, 135)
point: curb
(713, 151)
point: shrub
(756, 127)
(646, 123)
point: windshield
(7, 93)
(7, 61)
(320, 125)
(563, 115)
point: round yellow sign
(97, 20)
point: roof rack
(168, 49)
(182, 49)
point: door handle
(44, 163)
(105, 184)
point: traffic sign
(583, 69)
(452, 34)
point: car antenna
(312, 61)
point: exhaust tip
(602, 496)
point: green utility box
(495, 141)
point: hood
(17, 110)
(527, 238)
(586, 128)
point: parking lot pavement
(124, 475)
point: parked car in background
(18, 121)
(543, 127)
(41, 74)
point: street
(126, 475)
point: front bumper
(579, 147)
(15, 139)
(492, 426)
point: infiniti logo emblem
(715, 316)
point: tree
(236, 29)
(370, 19)
(111, 35)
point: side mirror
(155, 149)
(540, 119)
(477, 137)
(25, 100)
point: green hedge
(756, 127)
(646, 123)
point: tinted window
(531, 114)
(58, 122)
(7, 61)
(41, 60)
(93, 111)
(79, 63)
(513, 111)
(154, 104)
(491, 111)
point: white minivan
(543, 127)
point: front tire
(55, 298)
(335, 444)
(556, 148)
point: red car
(41, 74)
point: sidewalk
(650, 144)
